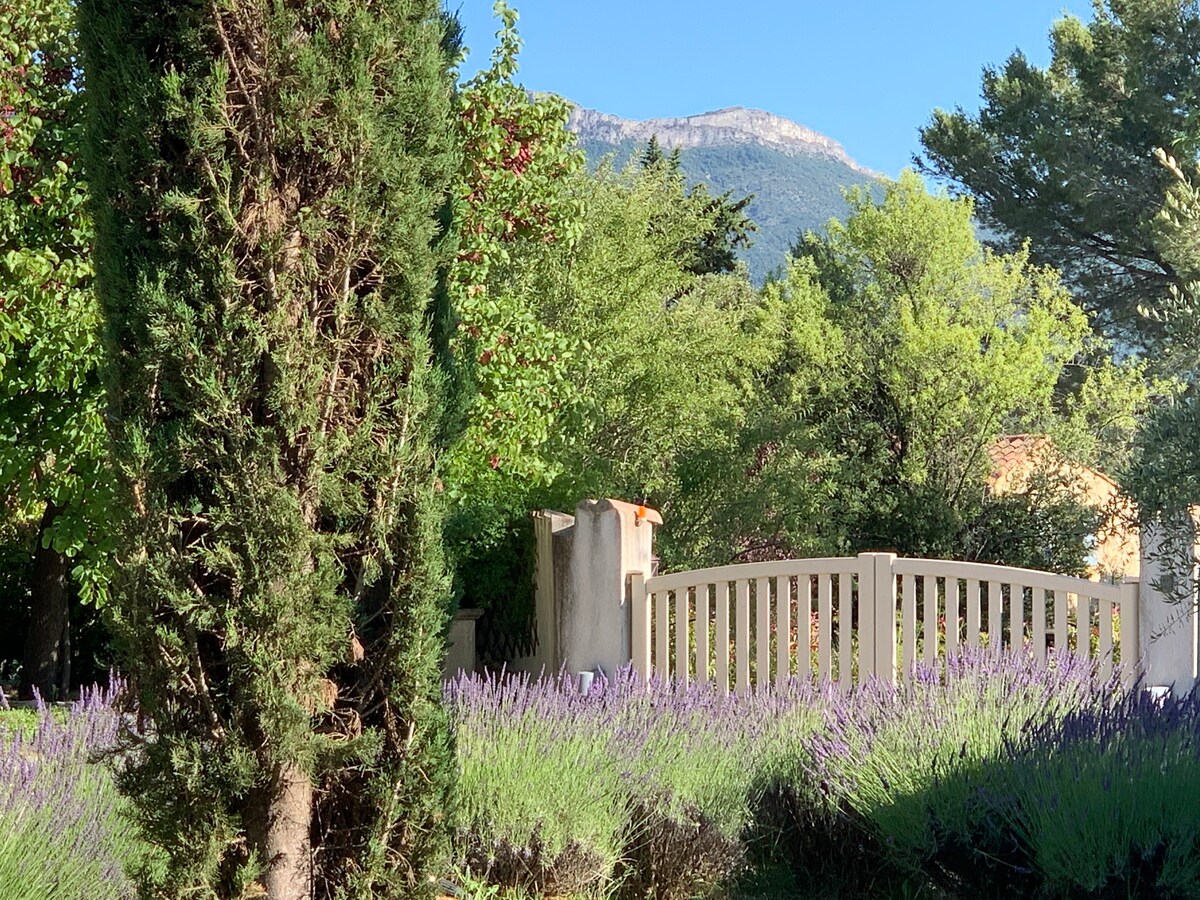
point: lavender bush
(648, 789)
(1103, 799)
(62, 833)
(994, 775)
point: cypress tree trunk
(270, 185)
(44, 657)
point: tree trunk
(64, 670)
(49, 585)
(280, 829)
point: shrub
(992, 775)
(652, 787)
(1101, 800)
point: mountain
(795, 174)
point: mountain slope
(796, 174)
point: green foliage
(270, 187)
(514, 205)
(1045, 526)
(648, 792)
(565, 796)
(1164, 473)
(591, 333)
(671, 352)
(1063, 156)
(901, 349)
(53, 447)
(713, 251)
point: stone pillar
(460, 651)
(609, 542)
(1167, 615)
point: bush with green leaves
(57, 495)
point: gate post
(876, 617)
(612, 541)
(884, 603)
(1167, 611)
(552, 535)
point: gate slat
(1016, 616)
(930, 627)
(681, 635)
(824, 625)
(1038, 626)
(1083, 626)
(995, 617)
(952, 614)
(1061, 644)
(908, 613)
(702, 622)
(845, 627)
(762, 632)
(1129, 628)
(662, 633)
(972, 612)
(742, 636)
(783, 630)
(721, 638)
(1106, 638)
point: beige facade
(1015, 458)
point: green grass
(18, 721)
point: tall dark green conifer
(268, 180)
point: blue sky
(867, 74)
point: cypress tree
(270, 192)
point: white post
(1167, 617)
(611, 541)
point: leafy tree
(948, 346)
(904, 350)
(1063, 156)
(712, 251)
(270, 190)
(671, 351)
(1164, 474)
(641, 383)
(518, 211)
(516, 207)
(53, 460)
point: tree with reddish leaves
(515, 205)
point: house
(1015, 458)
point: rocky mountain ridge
(719, 128)
(796, 176)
